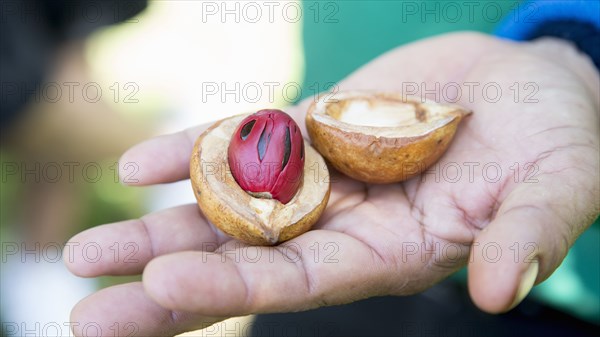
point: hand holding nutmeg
(372, 137)
(384, 239)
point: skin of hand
(511, 227)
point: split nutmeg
(256, 179)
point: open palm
(517, 186)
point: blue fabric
(577, 21)
(523, 22)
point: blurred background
(84, 80)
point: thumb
(528, 239)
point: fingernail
(527, 281)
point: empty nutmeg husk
(381, 137)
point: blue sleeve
(574, 20)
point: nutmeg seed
(266, 155)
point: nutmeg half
(381, 137)
(251, 219)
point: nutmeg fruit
(260, 192)
(381, 137)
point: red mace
(266, 155)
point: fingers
(318, 268)
(528, 239)
(124, 248)
(125, 310)
(161, 159)
(505, 263)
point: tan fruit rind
(253, 220)
(382, 154)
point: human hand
(395, 239)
